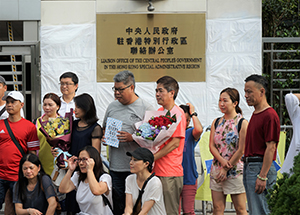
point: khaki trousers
(172, 187)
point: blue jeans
(118, 181)
(4, 186)
(257, 203)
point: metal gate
(281, 60)
(20, 66)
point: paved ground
(199, 210)
(198, 207)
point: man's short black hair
(169, 84)
(259, 79)
(71, 75)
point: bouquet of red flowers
(156, 128)
(58, 134)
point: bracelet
(28, 211)
(263, 179)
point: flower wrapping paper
(163, 135)
(62, 142)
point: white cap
(16, 95)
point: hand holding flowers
(58, 134)
(156, 128)
(149, 130)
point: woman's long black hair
(98, 167)
(23, 181)
(87, 104)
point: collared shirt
(65, 107)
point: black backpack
(117, 203)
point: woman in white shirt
(152, 202)
(91, 182)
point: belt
(252, 159)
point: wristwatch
(194, 114)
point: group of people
(161, 182)
(244, 152)
(25, 168)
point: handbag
(57, 175)
(12, 136)
(138, 204)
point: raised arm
(297, 95)
(97, 188)
(198, 129)
(66, 185)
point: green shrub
(284, 198)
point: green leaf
(174, 118)
(168, 113)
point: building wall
(233, 48)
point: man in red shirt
(168, 160)
(260, 147)
(24, 132)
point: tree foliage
(280, 18)
(284, 197)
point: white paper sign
(111, 131)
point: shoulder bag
(138, 204)
(12, 136)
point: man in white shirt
(292, 102)
(68, 87)
(3, 88)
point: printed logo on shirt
(2, 132)
(135, 118)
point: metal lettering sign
(151, 46)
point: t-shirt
(171, 164)
(87, 201)
(36, 198)
(263, 127)
(190, 173)
(153, 191)
(10, 156)
(292, 106)
(129, 115)
(65, 107)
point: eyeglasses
(120, 90)
(81, 159)
(65, 84)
